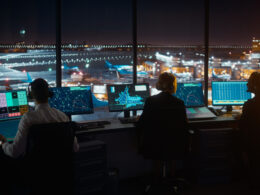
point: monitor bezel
(121, 110)
(77, 113)
(225, 104)
(17, 117)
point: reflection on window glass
(27, 40)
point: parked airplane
(124, 70)
(164, 58)
(183, 75)
(70, 69)
(223, 76)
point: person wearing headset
(249, 125)
(167, 83)
(43, 113)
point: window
(27, 40)
(234, 40)
(97, 45)
(171, 36)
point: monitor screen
(191, 94)
(72, 100)
(13, 104)
(127, 96)
(229, 93)
(99, 89)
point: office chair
(164, 137)
(48, 163)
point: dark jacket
(163, 127)
(249, 125)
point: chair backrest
(49, 154)
(165, 133)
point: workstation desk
(122, 142)
(224, 121)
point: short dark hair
(40, 90)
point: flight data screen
(127, 97)
(99, 89)
(229, 93)
(72, 100)
(13, 104)
(191, 94)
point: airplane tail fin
(29, 78)
(65, 66)
(108, 64)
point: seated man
(249, 125)
(43, 113)
(163, 125)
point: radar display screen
(228, 93)
(13, 104)
(72, 100)
(191, 94)
(127, 96)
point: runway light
(50, 69)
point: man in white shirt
(43, 113)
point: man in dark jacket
(163, 124)
(250, 130)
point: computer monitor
(72, 100)
(126, 97)
(229, 93)
(99, 89)
(13, 104)
(191, 94)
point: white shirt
(43, 113)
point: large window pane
(172, 33)
(96, 37)
(27, 40)
(234, 40)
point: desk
(224, 121)
(122, 147)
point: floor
(233, 188)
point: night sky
(162, 22)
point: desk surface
(226, 120)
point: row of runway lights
(63, 61)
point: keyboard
(92, 125)
(132, 119)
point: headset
(32, 87)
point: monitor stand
(229, 109)
(70, 118)
(126, 114)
